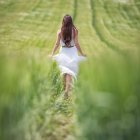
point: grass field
(105, 100)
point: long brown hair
(66, 29)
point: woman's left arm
(57, 42)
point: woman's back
(71, 42)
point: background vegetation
(105, 100)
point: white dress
(68, 59)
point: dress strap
(73, 33)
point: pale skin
(67, 78)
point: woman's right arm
(77, 43)
(57, 42)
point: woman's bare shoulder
(59, 32)
(75, 30)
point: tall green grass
(108, 87)
(108, 98)
(105, 100)
(22, 78)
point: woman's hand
(50, 55)
(83, 55)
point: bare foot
(66, 95)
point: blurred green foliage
(105, 100)
(108, 104)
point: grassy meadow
(105, 101)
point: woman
(67, 58)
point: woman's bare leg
(68, 84)
(64, 81)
